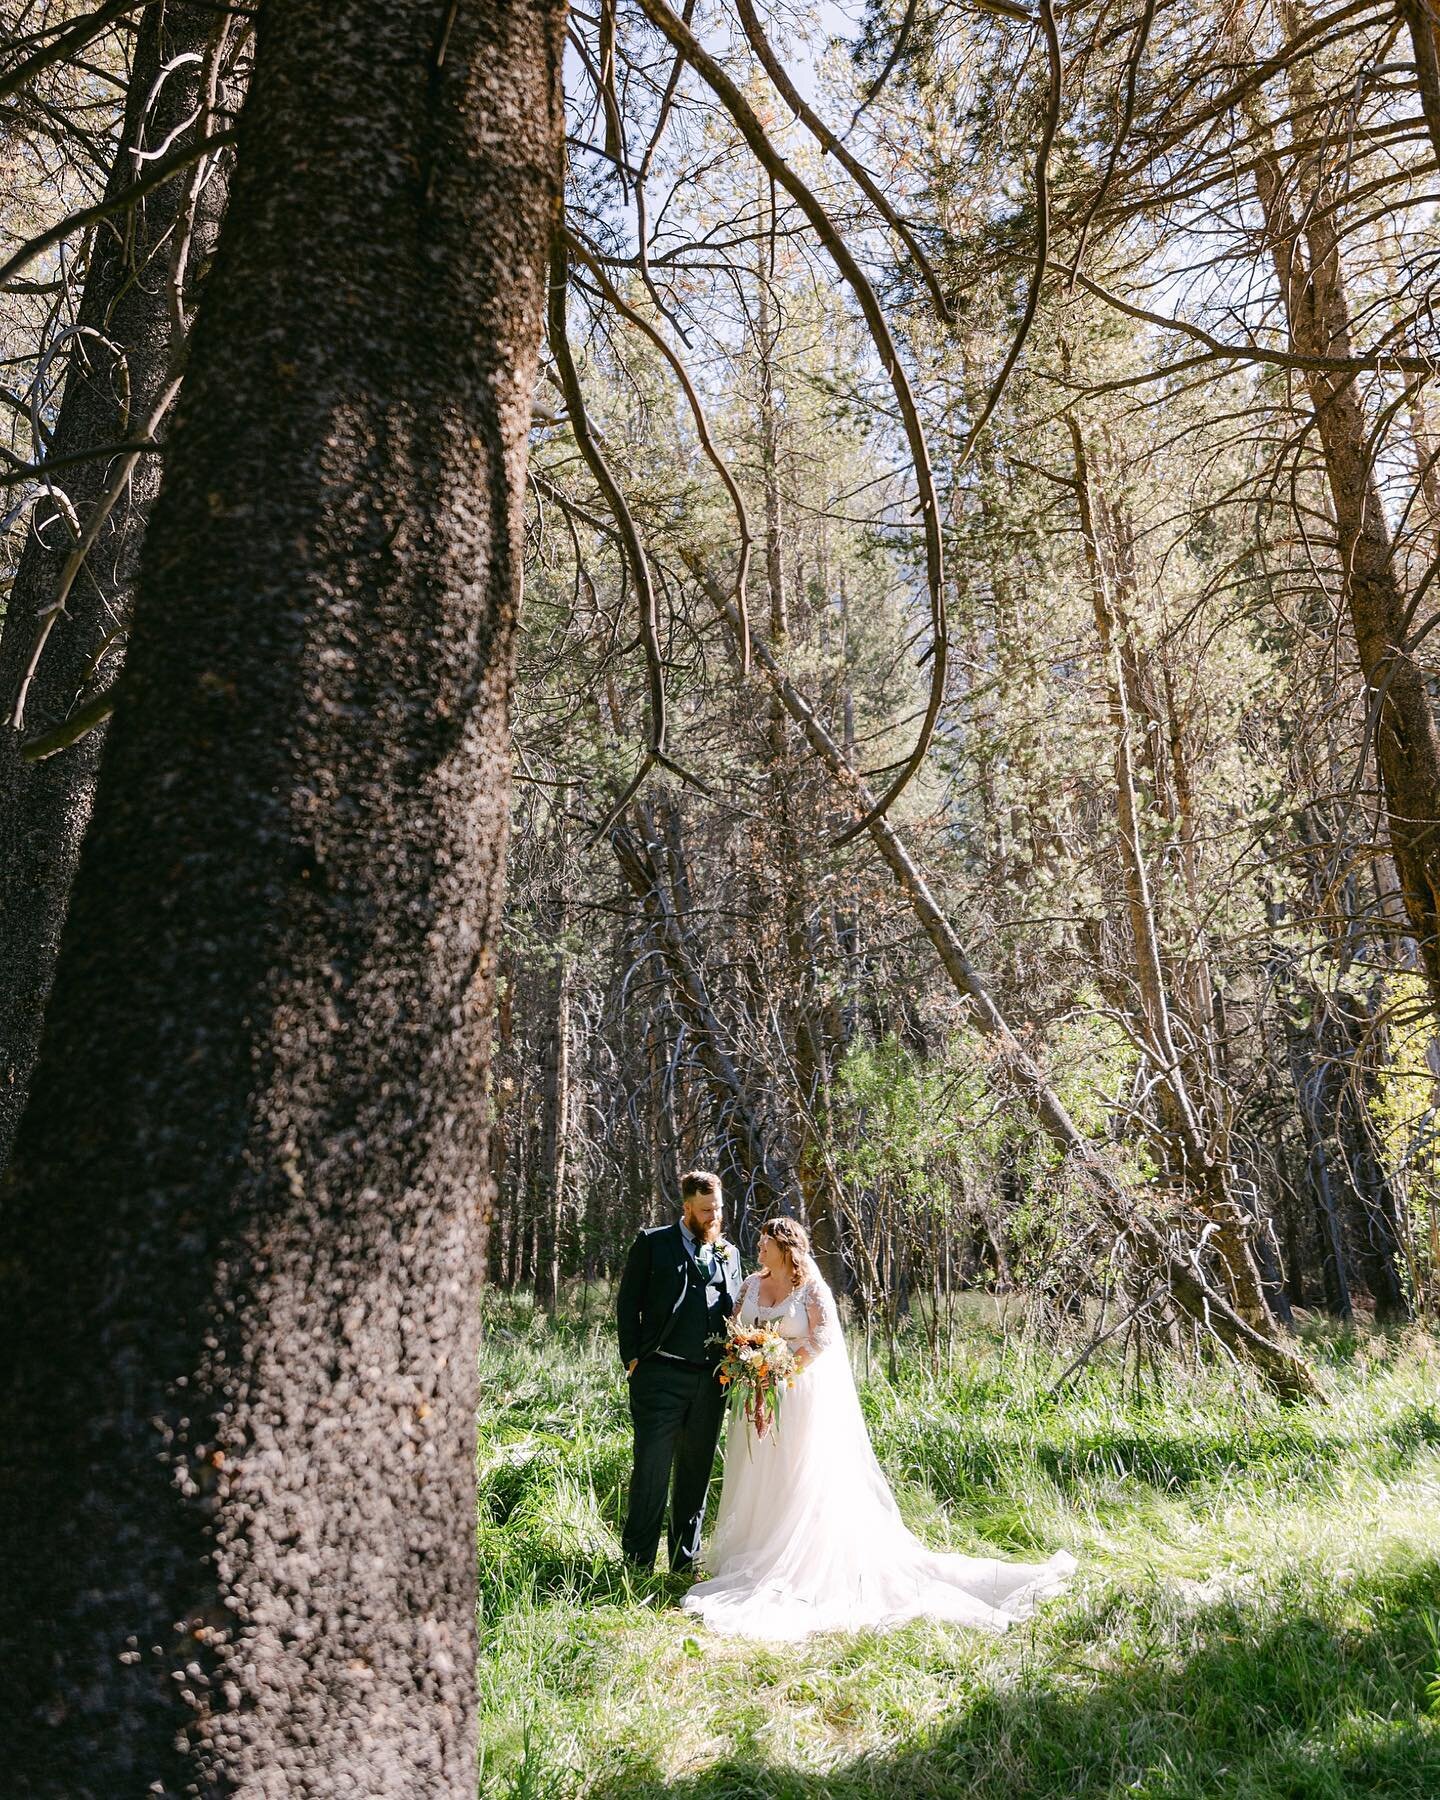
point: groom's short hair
(698, 1181)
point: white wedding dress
(809, 1537)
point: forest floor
(1257, 1613)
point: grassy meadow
(1257, 1613)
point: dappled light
(1258, 1611)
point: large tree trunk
(120, 361)
(243, 1228)
(1306, 259)
(1423, 23)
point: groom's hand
(631, 1366)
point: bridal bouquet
(757, 1367)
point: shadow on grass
(954, 1465)
(1306, 1709)
(561, 1541)
(954, 1461)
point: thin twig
(102, 209)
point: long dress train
(808, 1536)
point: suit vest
(700, 1315)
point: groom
(680, 1285)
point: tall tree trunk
(1375, 1205)
(803, 1014)
(767, 337)
(500, 1248)
(1423, 23)
(244, 1224)
(119, 365)
(1309, 1076)
(1201, 991)
(1336, 1045)
(1308, 269)
(663, 1133)
(555, 1101)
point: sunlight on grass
(1258, 1611)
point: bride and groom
(808, 1536)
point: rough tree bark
(1423, 24)
(243, 1228)
(117, 365)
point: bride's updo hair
(794, 1240)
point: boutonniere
(721, 1246)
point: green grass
(1258, 1611)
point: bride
(809, 1537)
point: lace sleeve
(747, 1286)
(822, 1326)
